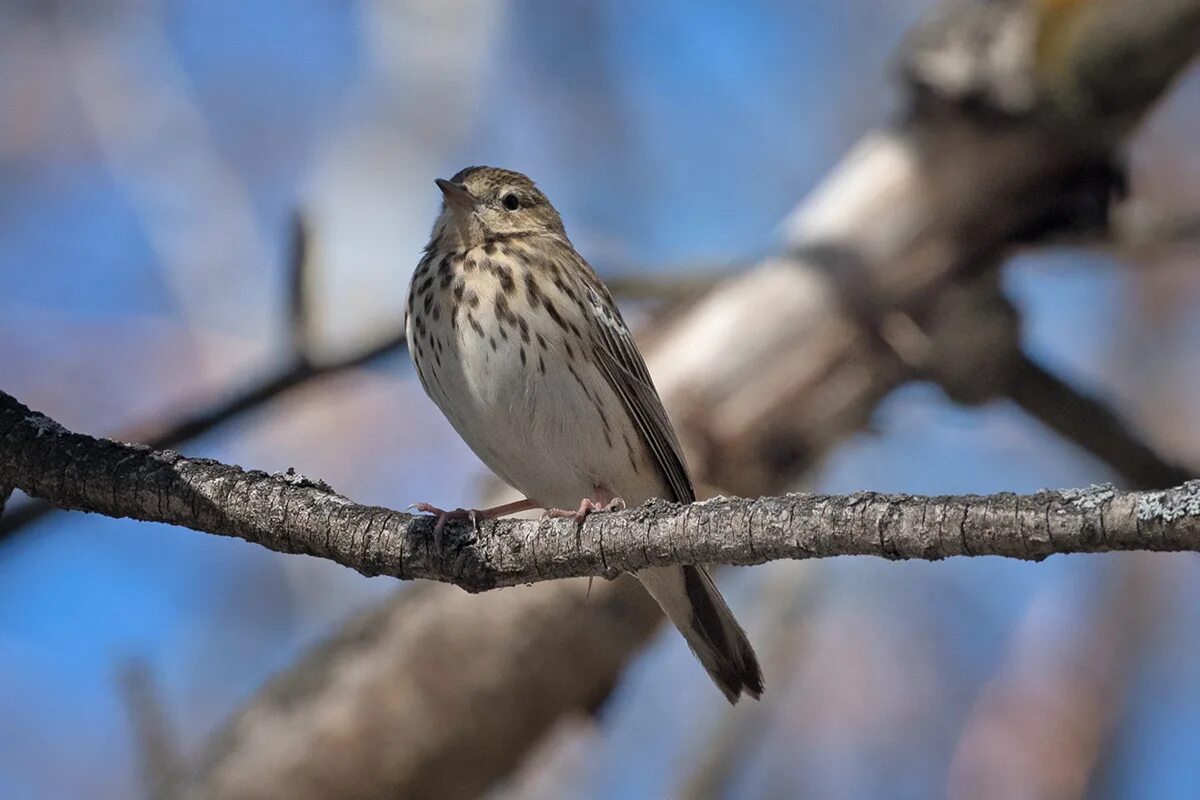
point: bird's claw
(586, 508)
(444, 516)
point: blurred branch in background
(157, 748)
(1041, 727)
(381, 705)
(1091, 425)
(290, 513)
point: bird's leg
(473, 514)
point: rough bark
(293, 514)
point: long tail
(692, 602)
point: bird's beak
(456, 194)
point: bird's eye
(511, 202)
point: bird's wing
(622, 365)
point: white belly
(530, 420)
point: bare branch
(292, 514)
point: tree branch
(292, 514)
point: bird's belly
(548, 424)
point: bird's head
(483, 203)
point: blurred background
(152, 156)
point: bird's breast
(504, 352)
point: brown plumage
(521, 346)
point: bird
(518, 342)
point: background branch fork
(293, 514)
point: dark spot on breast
(554, 315)
(469, 265)
(587, 392)
(436, 313)
(524, 358)
(505, 276)
(490, 248)
(541, 341)
(492, 342)
(460, 286)
(425, 285)
(524, 329)
(532, 290)
(566, 289)
(541, 364)
(428, 303)
(570, 350)
(504, 314)
(445, 282)
(472, 298)
(475, 326)
(575, 330)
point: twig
(157, 748)
(299, 308)
(1091, 425)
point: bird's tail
(691, 601)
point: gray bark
(293, 514)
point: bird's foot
(444, 516)
(473, 514)
(586, 508)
